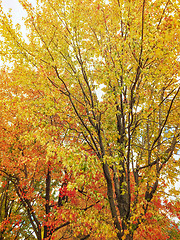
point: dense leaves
(90, 111)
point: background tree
(36, 201)
(130, 50)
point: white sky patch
(99, 92)
(10, 123)
(17, 12)
(106, 1)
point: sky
(16, 7)
(17, 11)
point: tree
(36, 202)
(129, 51)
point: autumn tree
(128, 51)
(36, 201)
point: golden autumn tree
(127, 52)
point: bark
(47, 206)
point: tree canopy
(90, 120)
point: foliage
(129, 136)
(39, 196)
